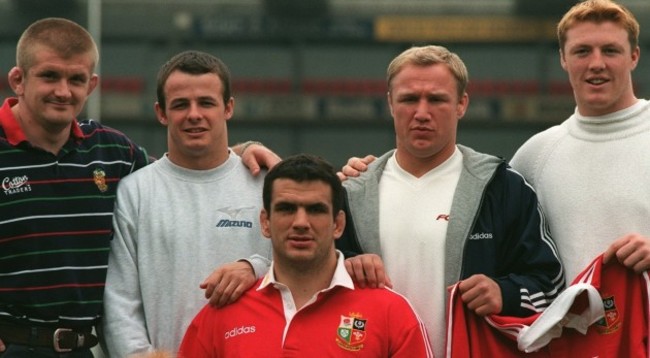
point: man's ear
(160, 114)
(339, 224)
(16, 78)
(94, 80)
(265, 224)
(562, 60)
(230, 108)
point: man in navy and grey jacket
(431, 213)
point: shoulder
(371, 176)
(385, 297)
(539, 142)
(91, 128)
(527, 157)
(111, 141)
(141, 177)
(242, 176)
(480, 165)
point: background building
(309, 75)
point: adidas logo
(481, 236)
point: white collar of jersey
(340, 278)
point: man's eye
(285, 208)
(408, 99)
(318, 209)
(178, 105)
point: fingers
(632, 251)
(255, 156)
(228, 292)
(367, 270)
(210, 283)
(610, 253)
(272, 160)
(355, 270)
(375, 274)
(355, 166)
(2, 346)
(368, 159)
(226, 284)
(481, 294)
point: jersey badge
(99, 177)
(351, 332)
(611, 321)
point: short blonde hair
(599, 11)
(65, 37)
(426, 56)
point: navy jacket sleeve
(524, 259)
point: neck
(50, 138)
(305, 282)
(199, 161)
(418, 166)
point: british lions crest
(351, 332)
(612, 320)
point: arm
(529, 272)
(227, 283)
(123, 322)
(408, 335)
(481, 294)
(199, 337)
(255, 156)
(631, 250)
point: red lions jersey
(604, 313)
(341, 322)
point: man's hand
(355, 166)
(2, 346)
(631, 250)
(255, 156)
(368, 270)
(481, 294)
(227, 283)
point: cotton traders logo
(234, 213)
(16, 185)
(351, 332)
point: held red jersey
(621, 331)
(604, 313)
(469, 335)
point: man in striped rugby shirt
(59, 178)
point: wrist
(245, 145)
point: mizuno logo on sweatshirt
(234, 220)
(234, 223)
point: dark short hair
(193, 63)
(302, 168)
